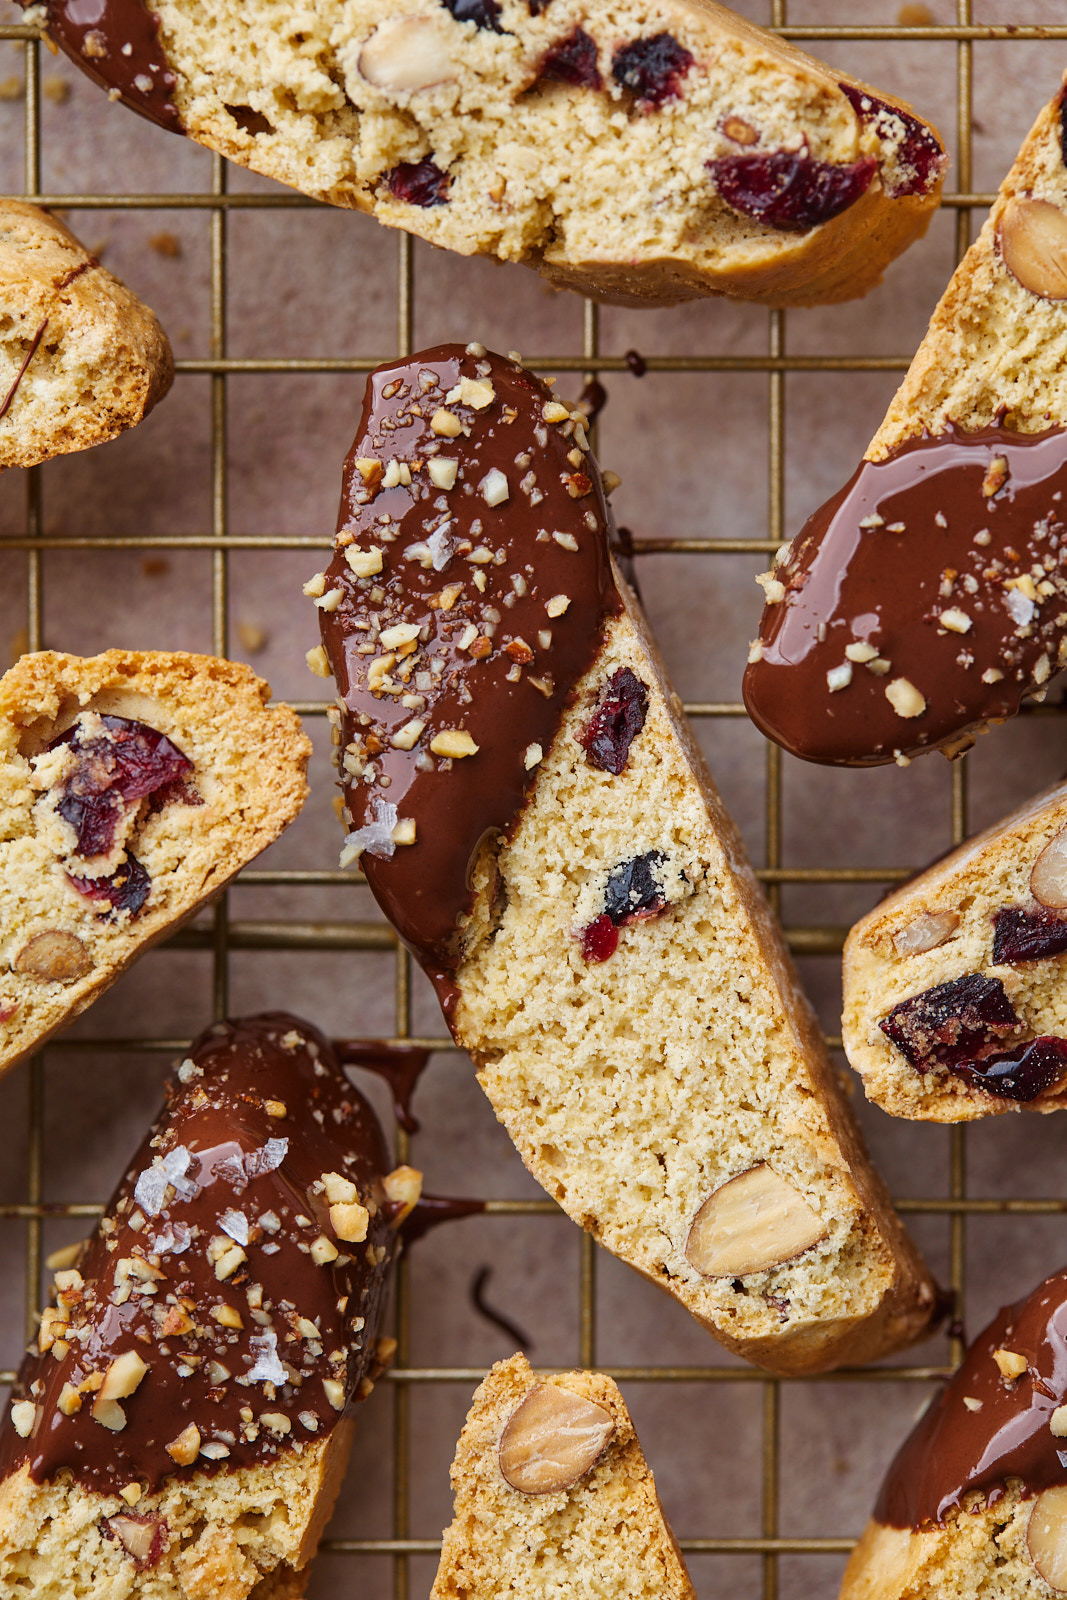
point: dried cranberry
(1023, 933)
(250, 121)
(600, 939)
(537, 8)
(634, 892)
(126, 890)
(483, 13)
(789, 191)
(1019, 1074)
(618, 719)
(652, 69)
(918, 157)
(419, 183)
(952, 1023)
(573, 60)
(126, 763)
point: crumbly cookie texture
(981, 1551)
(517, 129)
(964, 966)
(133, 785)
(81, 358)
(589, 1520)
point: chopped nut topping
(1011, 1364)
(186, 1447)
(277, 1423)
(494, 487)
(860, 651)
(403, 633)
(446, 423)
(773, 588)
(316, 660)
(533, 756)
(23, 1413)
(404, 831)
(453, 742)
(839, 677)
(566, 541)
(364, 563)
(334, 1390)
(474, 392)
(123, 1376)
(70, 1401)
(996, 476)
(558, 604)
(227, 1316)
(407, 737)
(323, 1251)
(369, 469)
(442, 472)
(349, 1221)
(905, 698)
(315, 586)
(403, 1187)
(552, 411)
(971, 1403)
(955, 620)
(610, 481)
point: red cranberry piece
(1023, 933)
(7, 1012)
(952, 1023)
(600, 939)
(618, 719)
(652, 69)
(483, 13)
(252, 122)
(790, 191)
(1019, 1074)
(126, 890)
(126, 763)
(573, 60)
(634, 893)
(919, 158)
(419, 183)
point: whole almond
(1046, 1537)
(1048, 875)
(552, 1439)
(53, 956)
(405, 54)
(1033, 242)
(751, 1223)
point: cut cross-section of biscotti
(180, 1426)
(927, 598)
(640, 152)
(955, 1004)
(133, 785)
(534, 816)
(81, 359)
(553, 1496)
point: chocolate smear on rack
(478, 1286)
(466, 598)
(922, 602)
(117, 43)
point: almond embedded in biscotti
(749, 1224)
(1033, 242)
(1046, 1537)
(552, 1439)
(927, 932)
(1048, 875)
(53, 956)
(405, 54)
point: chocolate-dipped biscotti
(954, 998)
(81, 359)
(928, 598)
(553, 1496)
(975, 1502)
(133, 785)
(534, 816)
(640, 153)
(180, 1428)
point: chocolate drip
(433, 1209)
(241, 1345)
(400, 1065)
(949, 561)
(471, 571)
(116, 42)
(956, 1448)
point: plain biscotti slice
(638, 152)
(535, 818)
(81, 358)
(954, 999)
(927, 598)
(553, 1496)
(181, 1424)
(133, 785)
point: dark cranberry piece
(918, 156)
(573, 60)
(250, 121)
(1022, 933)
(951, 1023)
(789, 191)
(114, 770)
(483, 13)
(652, 68)
(1019, 1074)
(634, 893)
(618, 719)
(419, 183)
(126, 890)
(600, 939)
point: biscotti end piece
(81, 358)
(585, 1513)
(550, 845)
(133, 786)
(181, 1423)
(953, 985)
(926, 599)
(974, 1502)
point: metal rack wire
(227, 934)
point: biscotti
(927, 598)
(637, 153)
(133, 785)
(954, 998)
(180, 1428)
(81, 359)
(534, 817)
(975, 1502)
(553, 1496)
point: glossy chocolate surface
(117, 43)
(949, 560)
(956, 1448)
(259, 1113)
(474, 582)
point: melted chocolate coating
(954, 1449)
(957, 548)
(255, 1175)
(547, 539)
(116, 42)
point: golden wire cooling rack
(803, 1507)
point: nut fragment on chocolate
(751, 1223)
(552, 1439)
(1033, 242)
(1048, 875)
(1046, 1537)
(405, 54)
(54, 956)
(926, 932)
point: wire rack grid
(225, 934)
